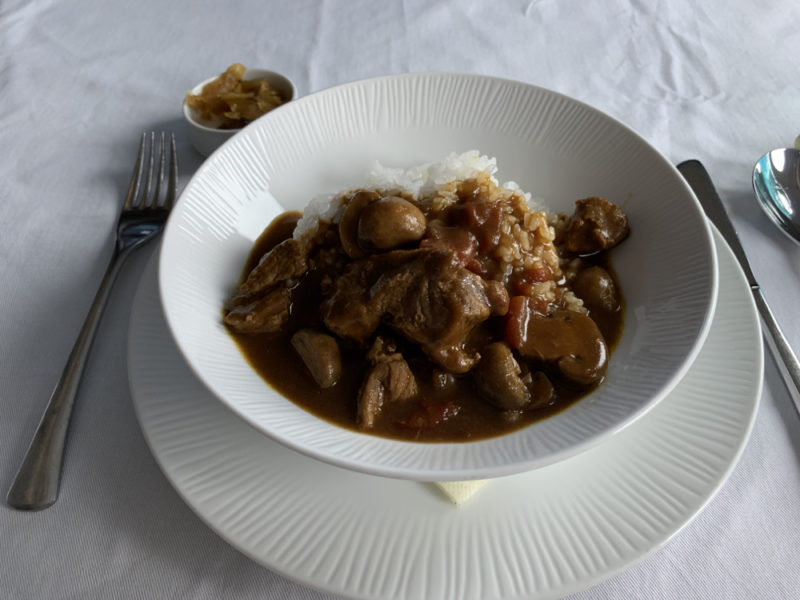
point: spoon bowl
(776, 181)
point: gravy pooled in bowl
(432, 304)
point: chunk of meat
(596, 225)
(498, 377)
(436, 303)
(388, 223)
(422, 294)
(285, 261)
(281, 228)
(566, 338)
(382, 350)
(498, 297)
(350, 311)
(596, 288)
(320, 353)
(388, 380)
(459, 240)
(264, 314)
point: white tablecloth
(79, 81)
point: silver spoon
(776, 181)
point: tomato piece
(428, 416)
(525, 281)
(519, 313)
(484, 220)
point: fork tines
(139, 192)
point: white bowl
(204, 136)
(555, 147)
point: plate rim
(681, 521)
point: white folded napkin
(460, 491)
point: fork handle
(36, 485)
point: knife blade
(700, 181)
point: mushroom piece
(567, 338)
(542, 390)
(596, 288)
(498, 377)
(320, 353)
(442, 380)
(390, 222)
(348, 225)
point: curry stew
(418, 331)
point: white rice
(425, 179)
(417, 182)
(321, 208)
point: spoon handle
(786, 359)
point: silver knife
(698, 178)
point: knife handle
(785, 358)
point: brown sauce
(273, 357)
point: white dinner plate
(540, 534)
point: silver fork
(143, 216)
